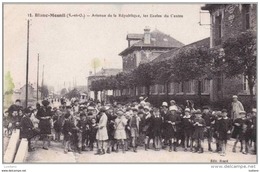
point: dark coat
(27, 129)
(171, 129)
(199, 130)
(156, 126)
(222, 127)
(44, 124)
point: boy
(223, 129)
(156, 127)
(120, 133)
(27, 128)
(187, 128)
(206, 115)
(92, 133)
(134, 128)
(82, 132)
(199, 124)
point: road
(55, 154)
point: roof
(172, 53)
(134, 36)
(108, 72)
(158, 39)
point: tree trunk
(148, 90)
(167, 91)
(251, 90)
(95, 95)
(199, 93)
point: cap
(218, 113)
(82, 114)
(27, 110)
(205, 107)
(45, 102)
(102, 109)
(242, 112)
(172, 101)
(134, 109)
(254, 110)
(234, 97)
(91, 108)
(141, 98)
(198, 111)
(165, 104)
(187, 110)
(147, 107)
(120, 112)
(224, 110)
(173, 108)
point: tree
(44, 91)
(144, 76)
(240, 58)
(8, 89)
(73, 93)
(193, 63)
(63, 91)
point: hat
(172, 101)
(134, 109)
(27, 110)
(198, 111)
(103, 109)
(242, 112)
(205, 107)
(45, 102)
(147, 107)
(234, 97)
(254, 110)
(187, 110)
(82, 114)
(91, 108)
(224, 110)
(173, 108)
(67, 115)
(141, 98)
(165, 104)
(218, 113)
(120, 112)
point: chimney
(147, 35)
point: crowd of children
(82, 127)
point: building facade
(229, 20)
(143, 48)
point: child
(218, 117)
(134, 128)
(67, 132)
(238, 132)
(27, 128)
(223, 129)
(120, 134)
(199, 124)
(92, 133)
(156, 127)
(187, 128)
(57, 124)
(254, 122)
(82, 132)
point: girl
(156, 126)
(120, 134)
(199, 124)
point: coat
(102, 128)
(172, 129)
(27, 128)
(156, 126)
(236, 108)
(44, 124)
(120, 124)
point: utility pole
(38, 77)
(27, 64)
(42, 82)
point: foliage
(44, 91)
(8, 84)
(73, 93)
(63, 91)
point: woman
(44, 116)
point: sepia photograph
(131, 83)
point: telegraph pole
(27, 64)
(38, 77)
(42, 81)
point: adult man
(236, 108)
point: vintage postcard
(88, 83)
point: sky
(67, 46)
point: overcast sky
(67, 45)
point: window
(190, 86)
(171, 88)
(246, 16)
(218, 29)
(205, 86)
(180, 87)
(244, 83)
(161, 89)
(143, 90)
(153, 89)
